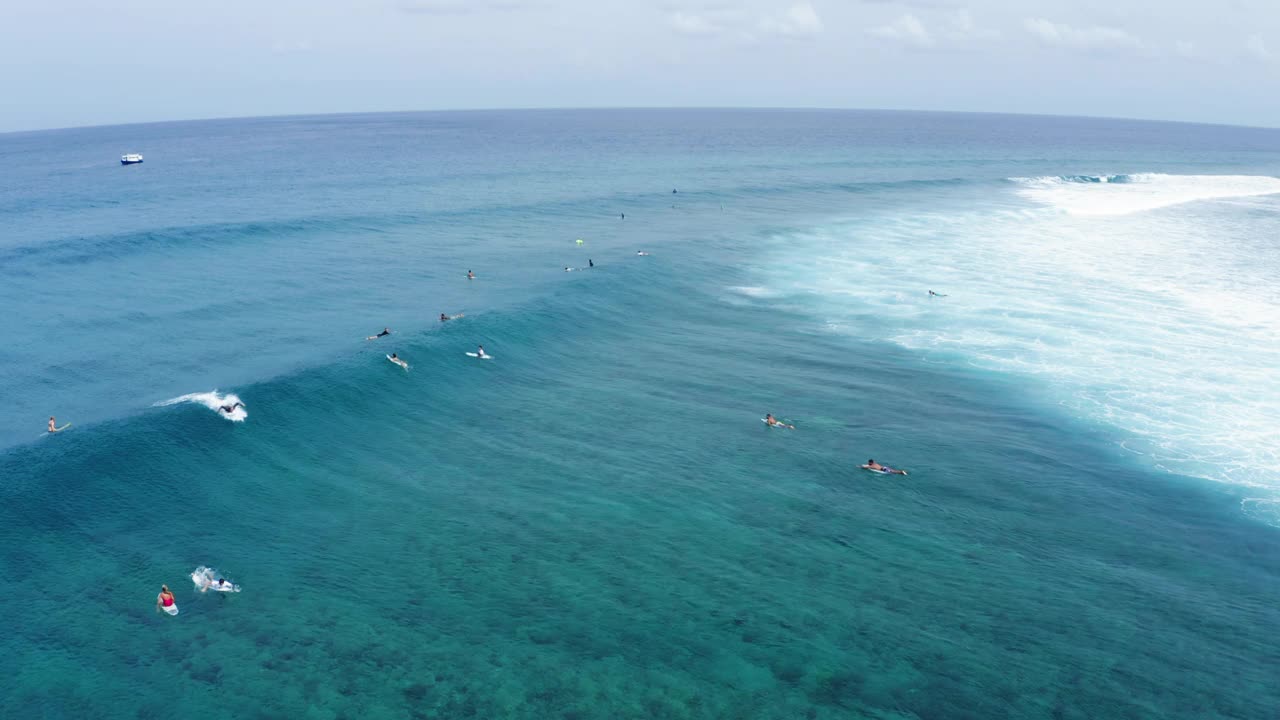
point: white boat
(130, 159)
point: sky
(86, 62)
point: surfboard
(482, 357)
(64, 427)
(780, 424)
(878, 472)
(171, 609)
(401, 363)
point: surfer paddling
(772, 421)
(397, 360)
(873, 465)
(385, 332)
(933, 294)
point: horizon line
(614, 108)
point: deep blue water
(595, 523)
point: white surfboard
(482, 357)
(171, 609)
(64, 427)
(399, 362)
(779, 424)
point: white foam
(213, 401)
(1164, 327)
(1124, 194)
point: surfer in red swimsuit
(164, 599)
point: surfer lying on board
(397, 360)
(384, 333)
(228, 409)
(934, 294)
(873, 465)
(775, 422)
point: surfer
(934, 294)
(471, 275)
(590, 264)
(480, 351)
(164, 600)
(624, 216)
(396, 359)
(775, 422)
(228, 409)
(641, 253)
(873, 465)
(443, 317)
(385, 332)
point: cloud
(954, 29)
(797, 20)
(457, 7)
(1257, 48)
(907, 29)
(691, 24)
(1097, 37)
(800, 19)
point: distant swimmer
(934, 294)
(471, 275)
(53, 425)
(877, 467)
(385, 332)
(228, 409)
(165, 601)
(772, 421)
(398, 360)
(673, 192)
(623, 215)
(590, 264)
(641, 253)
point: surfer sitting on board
(228, 409)
(775, 422)
(164, 600)
(471, 275)
(480, 352)
(873, 465)
(384, 333)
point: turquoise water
(594, 523)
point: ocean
(594, 522)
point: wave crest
(1140, 192)
(211, 400)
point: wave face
(1103, 195)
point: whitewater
(1135, 301)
